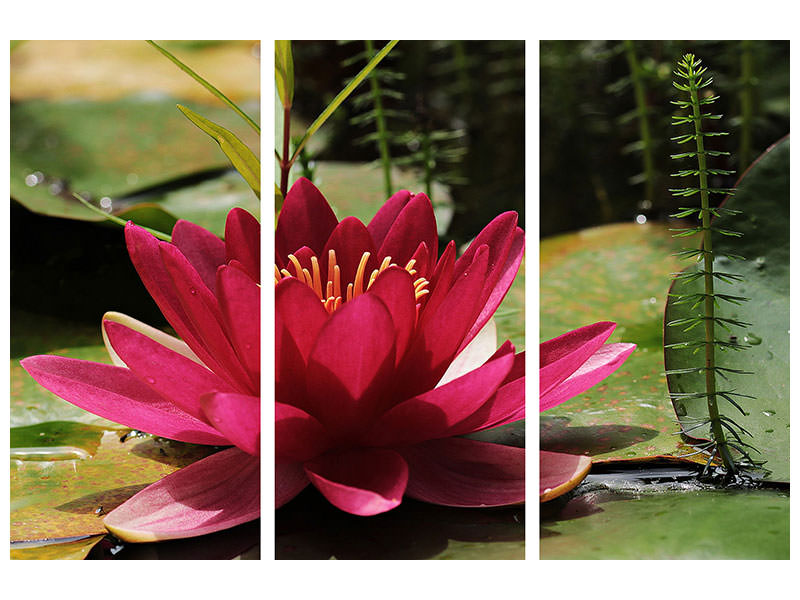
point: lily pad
(617, 273)
(107, 149)
(76, 549)
(54, 499)
(763, 197)
(597, 523)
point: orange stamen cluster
(330, 292)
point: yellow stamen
(329, 290)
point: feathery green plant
(725, 433)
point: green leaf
(762, 195)
(284, 72)
(241, 157)
(614, 273)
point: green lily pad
(763, 197)
(54, 499)
(107, 149)
(702, 524)
(68, 550)
(617, 273)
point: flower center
(330, 291)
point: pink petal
(440, 335)
(173, 376)
(350, 239)
(243, 241)
(365, 482)
(600, 365)
(115, 393)
(505, 406)
(395, 288)
(215, 493)
(299, 317)
(478, 351)
(305, 220)
(203, 249)
(382, 221)
(503, 277)
(462, 472)
(202, 310)
(559, 473)
(237, 417)
(145, 253)
(349, 365)
(562, 356)
(432, 414)
(239, 300)
(302, 313)
(290, 480)
(414, 224)
(440, 284)
(298, 435)
(156, 335)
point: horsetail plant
(725, 433)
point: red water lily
(369, 318)
(202, 388)
(569, 365)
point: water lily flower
(202, 388)
(369, 320)
(569, 365)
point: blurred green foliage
(593, 162)
(452, 110)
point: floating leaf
(763, 196)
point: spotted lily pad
(617, 273)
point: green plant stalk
(380, 125)
(207, 85)
(285, 163)
(708, 279)
(644, 125)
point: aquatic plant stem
(708, 279)
(644, 125)
(380, 124)
(285, 162)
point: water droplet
(150, 380)
(105, 203)
(652, 300)
(34, 179)
(760, 261)
(641, 219)
(752, 339)
(193, 291)
(767, 413)
(56, 187)
(680, 409)
(770, 355)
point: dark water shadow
(555, 435)
(241, 541)
(309, 527)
